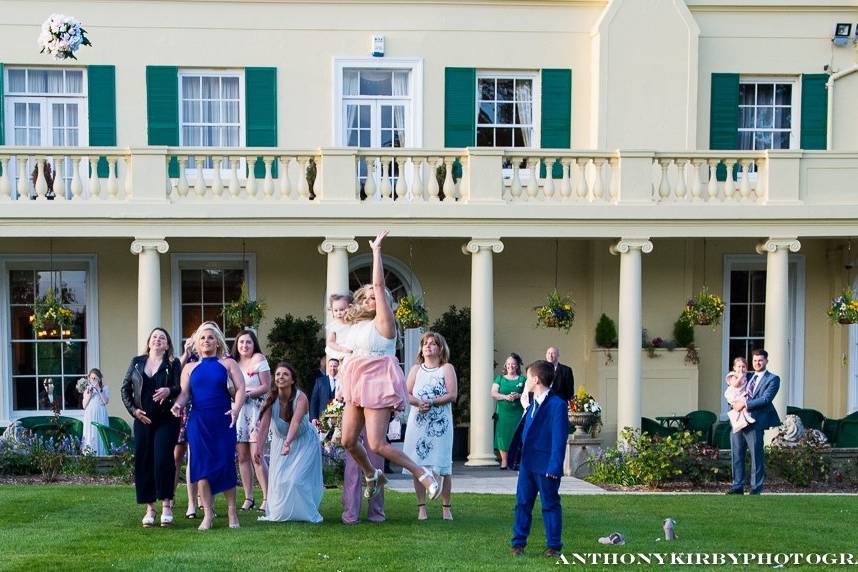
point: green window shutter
(556, 125)
(162, 109)
(814, 111)
(460, 107)
(2, 105)
(724, 115)
(260, 99)
(101, 94)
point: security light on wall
(842, 32)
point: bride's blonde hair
(358, 311)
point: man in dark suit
(537, 449)
(324, 390)
(762, 386)
(319, 373)
(564, 382)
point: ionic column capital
(329, 245)
(626, 245)
(158, 244)
(477, 244)
(772, 245)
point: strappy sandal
(191, 515)
(446, 512)
(425, 516)
(434, 489)
(248, 507)
(374, 485)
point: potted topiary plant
(683, 334)
(606, 336)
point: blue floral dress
(429, 436)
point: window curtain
(524, 106)
(229, 92)
(400, 88)
(351, 86)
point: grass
(98, 527)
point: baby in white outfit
(737, 389)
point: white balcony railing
(365, 177)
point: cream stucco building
(576, 144)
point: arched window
(398, 277)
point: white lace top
(365, 340)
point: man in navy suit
(324, 390)
(538, 448)
(762, 386)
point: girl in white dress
(432, 390)
(295, 478)
(257, 381)
(337, 329)
(95, 399)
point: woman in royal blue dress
(211, 423)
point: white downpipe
(829, 133)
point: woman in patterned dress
(257, 381)
(432, 390)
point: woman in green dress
(507, 389)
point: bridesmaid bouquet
(331, 421)
(81, 384)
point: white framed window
(47, 107)
(768, 113)
(507, 109)
(202, 284)
(211, 110)
(378, 102)
(744, 317)
(29, 357)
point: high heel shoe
(421, 515)
(248, 507)
(433, 489)
(148, 520)
(447, 513)
(263, 507)
(374, 485)
(166, 519)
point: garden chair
(654, 428)
(119, 424)
(701, 421)
(721, 435)
(31, 421)
(113, 438)
(847, 433)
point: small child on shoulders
(337, 327)
(737, 388)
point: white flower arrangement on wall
(62, 36)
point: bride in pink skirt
(373, 384)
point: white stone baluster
(303, 183)
(384, 188)
(268, 184)
(533, 180)
(418, 181)
(712, 188)
(250, 187)
(399, 188)
(696, 186)
(515, 184)
(200, 181)
(598, 182)
(664, 181)
(681, 189)
(614, 185)
(112, 181)
(41, 183)
(450, 193)
(283, 178)
(5, 185)
(129, 180)
(566, 182)
(217, 182)
(76, 184)
(59, 181)
(94, 182)
(745, 185)
(23, 179)
(582, 188)
(234, 186)
(183, 186)
(369, 188)
(548, 184)
(729, 184)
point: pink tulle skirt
(374, 383)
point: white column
(148, 285)
(338, 250)
(629, 370)
(778, 312)
(481, 444)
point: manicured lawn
(97, 527)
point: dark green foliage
(799, 465)
(683, 331)
(455, 326)
(606, 332)
(298, 341)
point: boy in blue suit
(538, 448)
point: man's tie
(535, 407)
(753, 385)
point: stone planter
(582, 421)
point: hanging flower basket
(244, 313)
(704, 309)
(557, 312)
(410, 313)
(844, 308)
(62, 36)
(50, 314)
